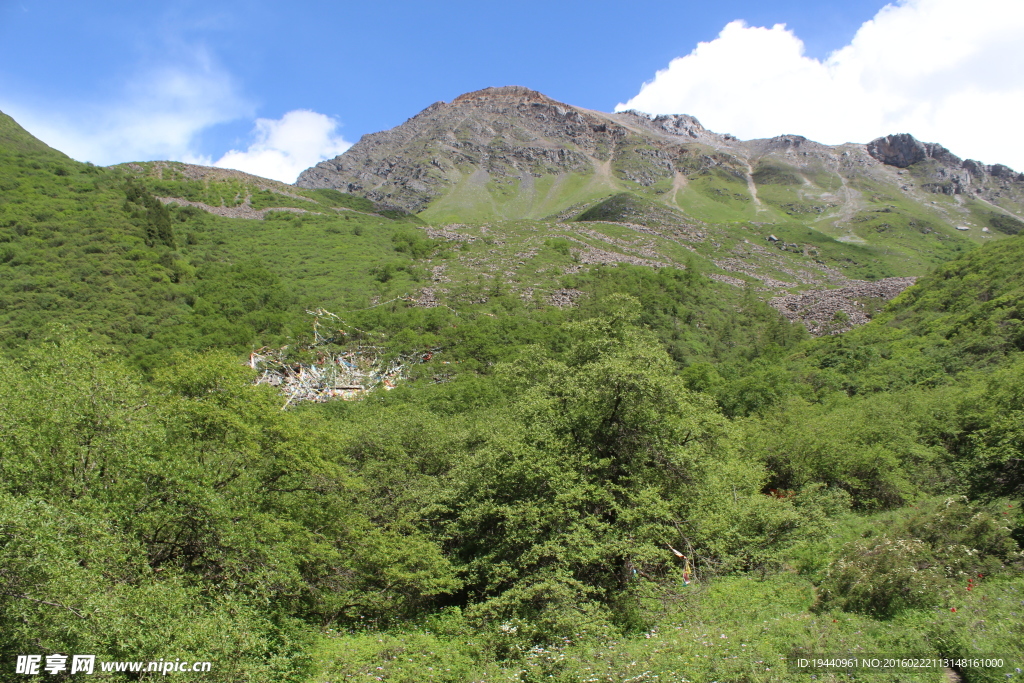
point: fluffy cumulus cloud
(946, 71)
(159, 114)
(285, 147)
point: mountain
(516, 194)
(512, 152)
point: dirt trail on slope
(850, 204)
(603, 176)
(678, 183)
(752, 187)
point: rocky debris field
(564, 297)
(244, 210)
(832, 311)
(447, 233)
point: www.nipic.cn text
(34, 665)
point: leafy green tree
(988, 441)
(602, 463)
(182, 506)
(149, 213)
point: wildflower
(952, 609)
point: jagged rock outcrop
(898, 150)
(949, 174)
(681, 125)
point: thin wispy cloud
(159, 113)
(283, 148)
(943, 70)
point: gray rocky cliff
(949, 174)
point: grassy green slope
(478, 197)
(864, 224)
(70, 251)
(227, 188)
(15, 140)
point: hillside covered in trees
(664, 480)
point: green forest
(667, 481)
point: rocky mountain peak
(507, 93)
(494, 134)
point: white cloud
(946, 71)
(285, 147)
(158, 114)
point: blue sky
(285, 84)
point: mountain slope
(153, 258)
(514, 153)
(16, 140)
(967, 314)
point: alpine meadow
(516, 391)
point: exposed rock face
(509, 132)
(898, 150)
(904, 150)
(682, 125)
(499, 131)
(949, 174)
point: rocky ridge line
(511, 134)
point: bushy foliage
(146, 491)
(415, 245)
(148, 213)
(872, 448)
(937, 552)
